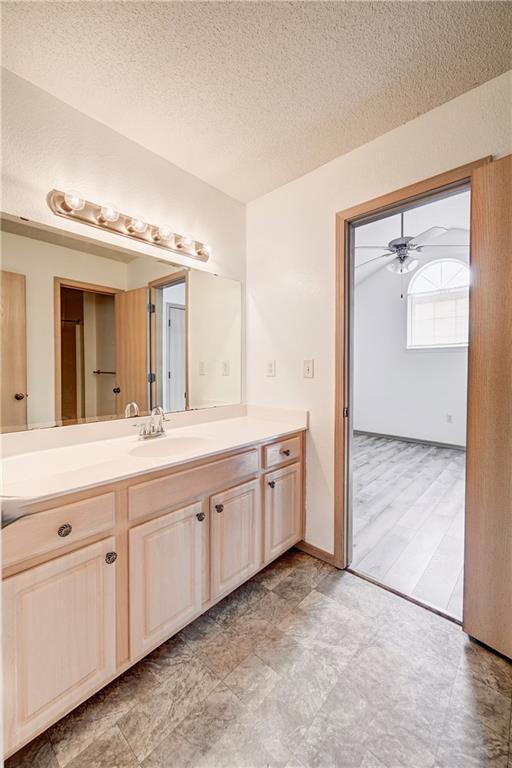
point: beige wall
(291, 264)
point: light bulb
(184, 242)
(204, 250)
(108, 213)
(164, 232)
(74, 201)
(137, 225)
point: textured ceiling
(249, 95)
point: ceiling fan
(404, 248)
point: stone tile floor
(303, 666)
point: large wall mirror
(87, 329)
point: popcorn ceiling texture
(250, 95)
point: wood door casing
(283, 510)
(59, 640)
(13, 352)
(166, 576)
(236, 536)
(131, 313)
(487, 612)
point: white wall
(47, 144)
(291, 263)
(400, 391)
(214, 318)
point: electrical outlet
(449, 418)
(271, 368)
(225, 367)
(202, 368)
(309, 369)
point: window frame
(442, 346)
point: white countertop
(44, 474)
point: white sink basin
(168, 446)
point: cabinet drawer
(284, 450)
(47, 531)
(183, 487)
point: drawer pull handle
(110, 557)
(64, 530)
(285, 451)
(272, 483)
(219, 508)
(200, 516)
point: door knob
(19, 396)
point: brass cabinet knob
(64, 530)
(272, 483)
(219, 507)
(200, 516)
(110, 557)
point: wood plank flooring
(408, 518)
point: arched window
(438, 304)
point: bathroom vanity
(125, 542)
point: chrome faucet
(155, 426)
(131, 409)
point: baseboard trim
(317, 552)
(411, 440)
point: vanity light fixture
(71, 205)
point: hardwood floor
(408, 518)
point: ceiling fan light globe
(402, 267)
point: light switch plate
(202, 368)
(271, 368)
(225, 367)
(309, 369)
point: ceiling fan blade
(428, 234)
(373, 247)
(382, 256)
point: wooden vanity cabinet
(59, 638)
(166, 571)
(283, 510)
(98, 579)
(236, 537)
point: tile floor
(408, 518)
(303, 666)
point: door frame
(58, 283)
(435, 185)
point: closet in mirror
(93, 332)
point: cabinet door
(166, 557)
(237, 528)
(283, 510)
(59, 641)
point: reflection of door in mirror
(169, 342)
(86, 341)
(13, 352)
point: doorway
(85, 342)
(408, 378)
(169, 342)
